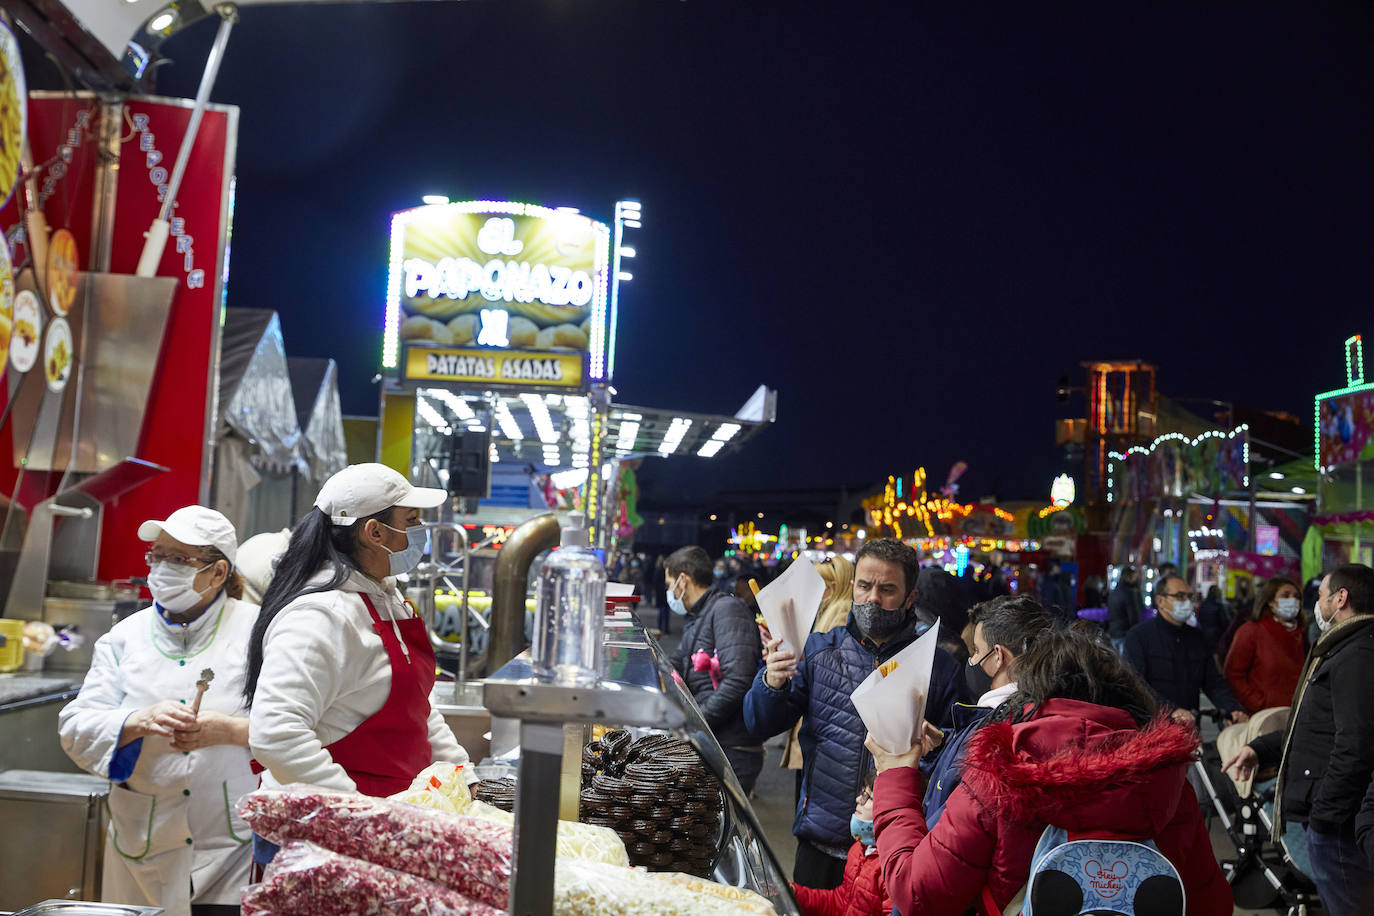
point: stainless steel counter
(28, 719)
(638, 689)
(65, 810)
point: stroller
(1263, 874)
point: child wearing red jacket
(862, 892)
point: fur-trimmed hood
(1081, 767)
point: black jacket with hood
(722, 626)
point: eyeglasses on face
(175, 558)
(975, 662)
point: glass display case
(638, 689)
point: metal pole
(463, 620)
(536, 818)
(157, 233)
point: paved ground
(775, 794)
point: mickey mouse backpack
(1085, 876)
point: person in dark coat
(716, 657)
(1172, 657)
(1124, 606)
(1054, 597)
(1003, 629)
(1212, 618)
(940, 602)
(1326, 756)
(818, 685)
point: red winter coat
(1264, 663)
(860, 894)
(1083, 767)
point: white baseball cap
(196, 526)
(360, 490)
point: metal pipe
(460, 534)
(508, 587)
(441, 571)
(157, 233)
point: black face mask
(876, 622)
(977, 680)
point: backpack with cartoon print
(1087, 876)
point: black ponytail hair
(316, 544)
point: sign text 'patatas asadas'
(508, 368)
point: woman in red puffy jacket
(861, 893)
(1079, 747)
(1268, 651)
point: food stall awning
(315, 389)
(255, 389)
(555, 430)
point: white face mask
(406, 559)
(1181, 610)
(1323, 623)
(1287, 608)
(174, 586)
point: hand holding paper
(892, 700)
(789, 604)
(779, 663)
(931, 738)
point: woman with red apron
(339, 666)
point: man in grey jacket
(717, 656)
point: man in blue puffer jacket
(817, 687)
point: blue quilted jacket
(832, 734)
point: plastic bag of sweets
(306, 880)
(584, 888)
(465, 854)
(442, 786)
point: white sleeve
(89, 726)
(303, 662)
(444, 747)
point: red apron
(390, 747)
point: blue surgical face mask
(403, 561)
(863, 830)
(1182, 609)
(675, 603)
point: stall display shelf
(637, 688)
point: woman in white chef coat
(175, 840)
(340, 667)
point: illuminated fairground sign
(1174, 467)
(497, 294)
(1344, 417)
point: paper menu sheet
(892, 699)
(790, 602)
(619, 590)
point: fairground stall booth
(498, 358)
(974, 540)
(116, 219)
(117, 228)
(1343, 525)
(1193, 504)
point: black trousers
(747, 764)
(814, 867)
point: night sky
(910, 222)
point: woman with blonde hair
(838, 596)
(836, 601)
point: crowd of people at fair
(1038, 720)
(302, 662)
